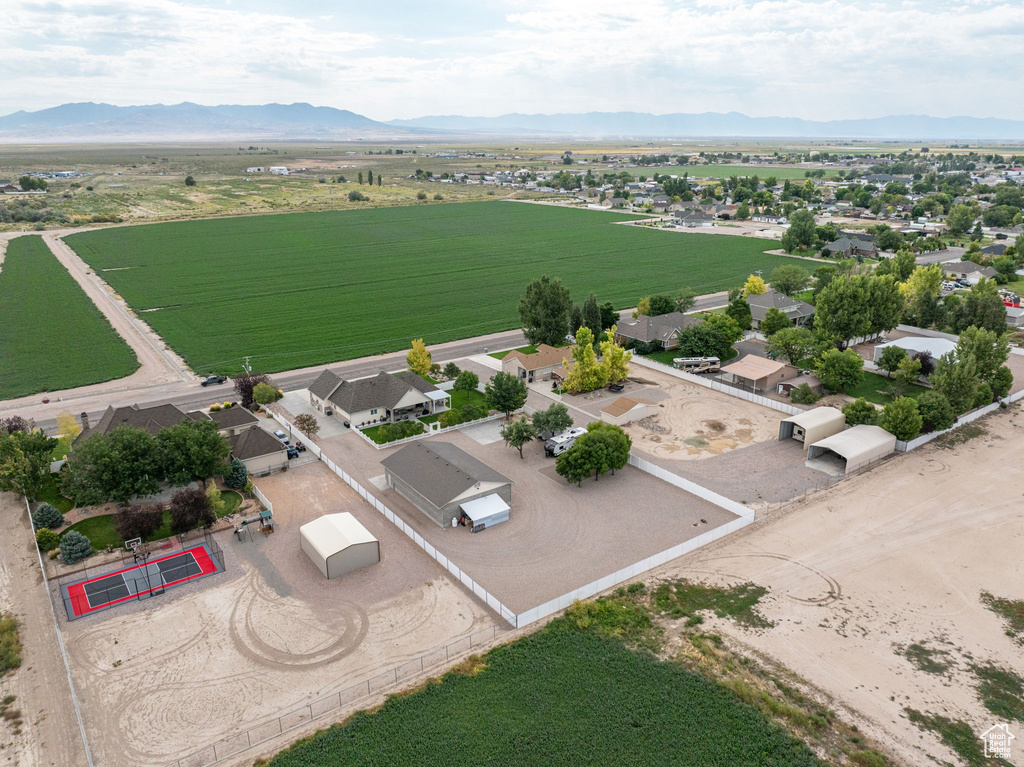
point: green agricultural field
(560, 697)
(761, 171)
(311, 288)
(52, 336)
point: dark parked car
(292, 453)
(213, 380)
(617, 387)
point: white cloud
(808, 58)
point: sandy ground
(559, 536)
(895, 556)
(49, 736)
(161, 680)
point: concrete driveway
(297, 401)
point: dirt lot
(692, 422)
(897, 556)
(160, 681)
(559, 536)
(49, 731)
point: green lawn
(291, 290)
(667, 355)
(232, 501)
(51, 335)
(102, 531)
(373, 432)
(725, 171)
(51, 494)
(873, 388)
(559, 697)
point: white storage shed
(857, 446)
(487, 511)
(338, 544)
(813, 425)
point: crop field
(560, 697)
(311, 288)
(761, 171)
(52, 336)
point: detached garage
(338, 544)
(625, 410)
(854, 447)
(812, 426)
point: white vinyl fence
(924, 439)
(710, 383)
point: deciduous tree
(592, 315)
(117, 466)
(451, 371)
(418, 358)
(554, 420)
(774, 321)
(139, 521)
(754, 286)
(901, 418)
(789, 279)
(505, 393)
(739, 310)
(686, 300)
(264, 394)
(575, 464)
(839, 371)
(190, 508)
(307, 424)
(544, 311)
(890, 358)
(586, 373)
(193, 451)
(936, 412)
(614, 359)
(957, 380)
(25, 458)
(517, 433)
(860, 411)
(794, 344)
(245, 383)
(467, 380)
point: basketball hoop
(133, 544)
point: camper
(697, 364)
(559, 443)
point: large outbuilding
(855, 447)
(625, 410)
(338, 544)
(913, 345)
(757, 373)
(441, 479)
(812, 425)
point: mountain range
(89, 121)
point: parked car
(292, 453)
(300, 447)
(213, 380)
(281, 436)
(616, 387)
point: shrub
(804, 395)
(74, 547)
(1002, 381)
(356, 196)
(451, 371)
(860, 411)
(421, 195)
(48, 516)
(215, 407)
(438, 196)
(138, 521)
(936, 412)
(46, 539)
(901, 418)
(389, 432)
(983, 396)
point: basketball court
(141, 581)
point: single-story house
(439, 478)
(768, 218)
(537, 366)
(812, 426)
(663, 329)
(259, 450)
(757, 373)
(377, 399)
(785, 387)
(970, 271)
(692, 218)
(913, 345)
(846, 247)
(338, 544)
(799, 312)
(626, 410)
(153, 419)
(856, 447)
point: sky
(815, 59)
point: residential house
(995, 250)
(799, 312)
(662, 329)
(153, 419)
(537, 366)
(757, 373)
(440, 479)
(1015, 316)
(846, 247)
(230, 422)
(970, 271)
(377, 399)
(259, 450)
(692, 218)
(768, 218)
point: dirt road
(50, 735)
(896, 557)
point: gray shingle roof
(325, 383)
(233, 417)
(254, 443)
(382, 390)
(152, 419)
(773, 299)
(439, 471)
(659, 328)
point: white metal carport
(858, 446)
(813, 425)
(338, 544)
(487, 511)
